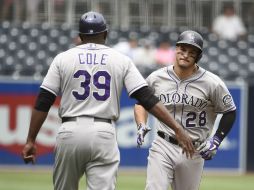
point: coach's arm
(43, 103)
(148, 101)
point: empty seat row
(27, 50)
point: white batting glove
(142, 131)
(209, 148)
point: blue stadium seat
(242, 45)
(251, 40)
(251, 67)
(43, 40)
(222, 44)
(54, 33)
(14, 33)
(8, 66)
(38, 71)
(28, 68)
(21, 54)
(212, 51)
(28, 50)
(34, 33)
(6, 26)
(243, 59)
(232, 52)
(2, 53)
(41, 55)
(173, 36)
(213, 66)
(32, 47)
(212, 37)
(23, 39)
(3, 41)
(223, 59)
(12, 48)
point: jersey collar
(198, 74)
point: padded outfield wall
(17, 99)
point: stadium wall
(17, 99)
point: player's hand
(142, 131)
(209, 148)
(29, 153)
(185, 142)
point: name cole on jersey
(92, 59)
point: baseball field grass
(41, 179)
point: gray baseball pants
(168, 166)
(86, 147)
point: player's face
(186, 55)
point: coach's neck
(94, 38)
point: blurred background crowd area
(32, 32)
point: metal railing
(124, 14)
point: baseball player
(90, 78)
(194, 96)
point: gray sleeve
(51, 81)
(151, 80)
(222, 99)
(133, 80)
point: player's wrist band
(226, 123)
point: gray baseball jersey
(194, 103)
(90, 79)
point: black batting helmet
(92, 23)
(192, 38)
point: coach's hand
(185, 142)
(29, 152)
(209, 148)
(142, 131)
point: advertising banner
(17, 100)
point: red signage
(15, 113)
